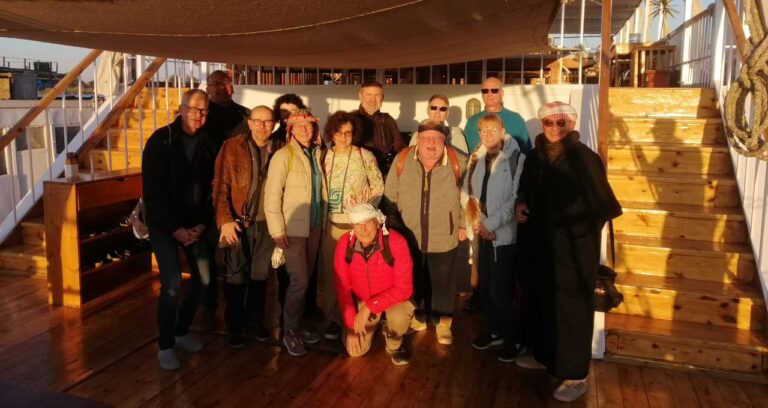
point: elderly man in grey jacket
(422, 192)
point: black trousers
(496, 284)
(434, 282)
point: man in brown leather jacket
(238, 195)
(378, 130)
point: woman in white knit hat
(563, 202)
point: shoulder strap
(513, 163)
(401, 160)
(454, 164)
(386, 252)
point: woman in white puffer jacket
(488, 199)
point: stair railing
(35, 147)
(729, 50)
(693, 40)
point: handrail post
(125, 101)
(49, 97)
(603, 115)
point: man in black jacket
(177, 171)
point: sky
(16, 50)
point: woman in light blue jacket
(488, 199)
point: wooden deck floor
(109, 356)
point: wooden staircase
(685, 264)
(138, 116)
(24, 252)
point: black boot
(257, 294)
(234, 314)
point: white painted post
(685, 70)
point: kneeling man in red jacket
(373, 276)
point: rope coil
(753, 79)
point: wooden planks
(676, 159)
(93, 357)
(693, 131)
(664, 102)
(682, 222)
(674, 189)
(684, 259)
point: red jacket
(373, 281)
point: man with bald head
(238, 195)
(493, 97)
(226, 118)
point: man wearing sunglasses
(437, 111)
(378, 130)
(493, 97)
(226, 118)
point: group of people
(379, 221)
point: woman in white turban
(563, 202)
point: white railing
(693, 40)
(38, 153)
(751, 173)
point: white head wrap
(558, 109)
(361, 213)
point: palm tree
(664, 11)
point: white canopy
(315, 33)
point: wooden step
(734, 305)
(33, 231)
(666, 158)
(160, 98)
(131, 118)
(664, 102)
(24, 259)
(626, 130)
(694, 344)
(119, 137)
(691, 189)
(699, 223)
(685, 259)
(100, 159)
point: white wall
(408, 103)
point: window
(423, 75)
(458, 73)
(439, 74)
(475, 72)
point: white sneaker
(570, 390)
(188, 343)
(527, 361)
(168, 359)
(418, 325)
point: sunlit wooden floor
(109, 356)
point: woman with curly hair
(351, 177)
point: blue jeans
(172, 322)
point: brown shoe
(444, 335)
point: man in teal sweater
(493, 96)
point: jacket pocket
(450, 222)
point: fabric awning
(316, 33)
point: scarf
(550, 152)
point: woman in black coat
(564, 201)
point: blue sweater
(513, 124)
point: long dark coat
(569, 201)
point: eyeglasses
(348, 133)
(485, 132)
(432, 139)
(549, 122)
(259, 122)
(440, 108)
(491, 90)
(195, 111)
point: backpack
(451, 157)
(386, 252)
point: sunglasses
(440, 108)
(492, 90)
(549, 122)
